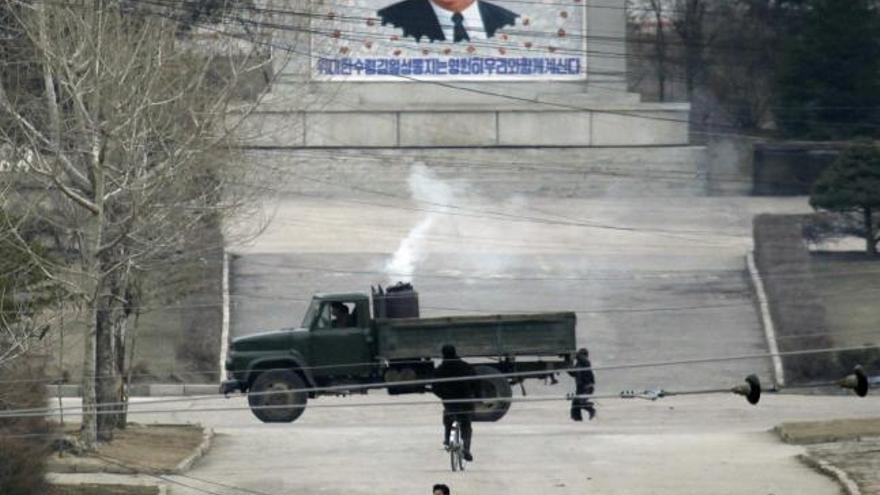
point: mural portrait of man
(447, 20)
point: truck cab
(341, 341)
(335, 341)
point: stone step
(492, 172)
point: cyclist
(453, 367)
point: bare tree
(689, 22)
(131, 144)
(720, 55)
(661, 47)
(745, 59)
(654, 45)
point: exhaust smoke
(426, 187)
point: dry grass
(836, 430)
(847, 288)
(95, 489)
(153, 449)
(849, 280)
(797, 310)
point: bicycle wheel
(455, 447)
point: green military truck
(341, 345)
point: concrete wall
(649, 125)
(730, 165)
(790, 169)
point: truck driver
(341, 318)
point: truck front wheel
(495, 388)
(277, 397)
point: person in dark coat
(584, 382)
(453, 367)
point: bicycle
(455, 448)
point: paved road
(651, 279)
(680, 445)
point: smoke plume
(435, 195)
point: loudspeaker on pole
(857, 381)
(751, 389)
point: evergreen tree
(852, 186)
(829, 83)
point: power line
(353, 404)
(333, 16)
(498, 46)
(634, 113)
(146, 471)
(56, 381)
(242, 20)
(533, 101)
(395, 403)
(508, 95)
(596, 310)
(513, 168)
(351, 388)
(571, 3)
(836, 334)
(638, 276)
(471, 241)
(508, 167)
(625, 395)
(624, 310)
(520, 310)
(500, 215)
(452, 308)
(687, 177)
(622, 113)
(664, 274)
(670, 233)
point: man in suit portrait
(447, 20)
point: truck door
(341, 342)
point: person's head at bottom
(448, 351)
(440, 489)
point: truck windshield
(310, 313)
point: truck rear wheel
(497, 387)
(272, 391)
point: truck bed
(534, 334)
